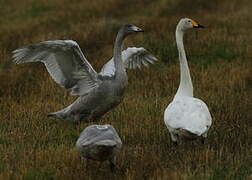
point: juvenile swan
(99, 142)
(186, 116)
(67, 65)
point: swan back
(188, 113)
(99, 142)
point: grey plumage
(64, 61)
(99, 142)
(98, 92)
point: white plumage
(186, 116)
(190, 114)
(132, 58)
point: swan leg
(100, 165)
(174, 139)
(76, 118)
(203, 138)
(87, 164)
(204, 135)
(113, 166)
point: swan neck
(185, 86)
(119, 66)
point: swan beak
(196, 25)
(199, 26)
(137, 29)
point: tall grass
(33, 146)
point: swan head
(128, 29)
(186, 23)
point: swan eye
(189, 21)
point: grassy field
(33, 146)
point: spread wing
(132, 58)
(65, 63)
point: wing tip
(71, 42)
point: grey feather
(61, 58)
(67, 65)
(99, 142)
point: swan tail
(187, 134)
(59, 114)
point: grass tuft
(34, 146)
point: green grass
(33, 146)
(39, 174)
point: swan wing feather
(132, 58)
(64, 61)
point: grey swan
(100, 143)
(98, 92)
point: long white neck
(119, 66)
(185, 86)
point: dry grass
(35, 147)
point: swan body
(98, 92)
(99, 142)
(186, 116)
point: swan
(186, 116)
(100, 143)
(98, 92)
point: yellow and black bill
(196, 25)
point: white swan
(100, 143)
(99, 92)
(186, 116)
